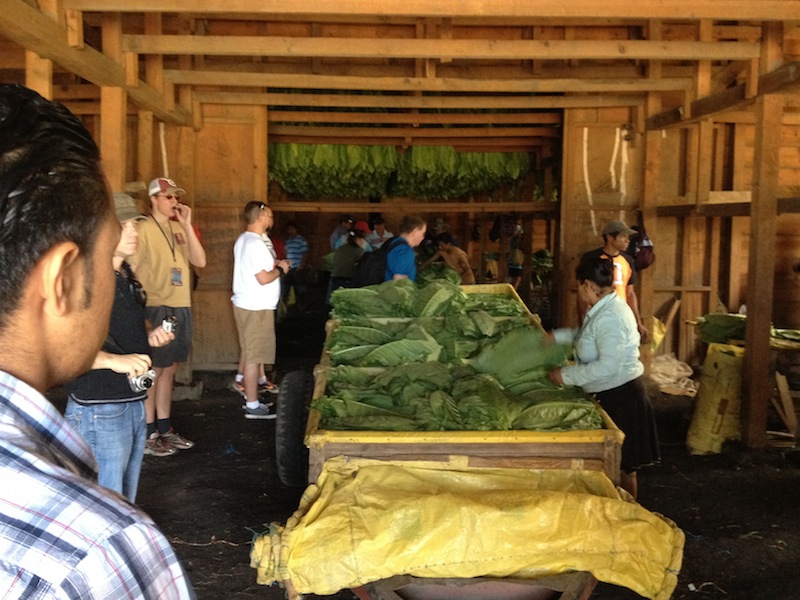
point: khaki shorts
(256, 329)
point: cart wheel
(291, 453)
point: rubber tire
(291, 454)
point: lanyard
(172, 233)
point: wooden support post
(113, 135)
(113, 111)
(39, 74)
(757, 380)
(757, 387)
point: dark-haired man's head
(58, 232)
(445, 239)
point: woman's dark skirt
(630, 409)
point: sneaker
(235, 386)
(155, 446)
(175, 440)
(269, 387)
(268, 405)
(262, 412)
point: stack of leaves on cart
(404, 298)
(505, 386)
(438, 271)
(374, 342)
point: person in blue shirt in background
(296, 252)
(401, 260)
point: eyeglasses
(168, 196)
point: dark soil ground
(739, 510)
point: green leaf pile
(435, 396)
(404, 298)
(355, 341)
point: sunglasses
(168, 196)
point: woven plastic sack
(367, 523)
(718, 401)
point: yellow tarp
(717, 406)
(368, 520)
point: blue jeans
(115, 431)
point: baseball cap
(125, 207)
(616, 227)
(164, 185)
(362, 226)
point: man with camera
(168, 249)
(61, 534)
(106, 404)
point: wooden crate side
(569, 586)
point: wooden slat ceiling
(475, 74)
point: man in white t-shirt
(256, 291)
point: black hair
(445, 238)
(596, 269)
(52, 188)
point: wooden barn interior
(684, 115)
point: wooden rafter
(31, 29)
(440, 48)
(761, 10)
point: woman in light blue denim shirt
(608, 366)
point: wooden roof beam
(34, 31)
(783, 80)
(763, 10)
(493, 144)
(417, 118)
(398, 205)
(415, 132)
(405, 48)
(424, 84)
(429, 102)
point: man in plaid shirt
(61, 534)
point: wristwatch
(280, 270)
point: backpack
(641, 247)
(370, 269)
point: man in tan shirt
(168, 249)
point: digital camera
(140, 383)
(169, 324)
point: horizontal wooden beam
(673, 10)
(423, 84)
(415, 132)
(415, 206)
(789, 205)
(783, 80)
(422, 102)
(330, 47)
(492, 144)
(415, 118)
(26, 26)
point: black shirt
(126, 335)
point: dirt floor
(739, 510)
